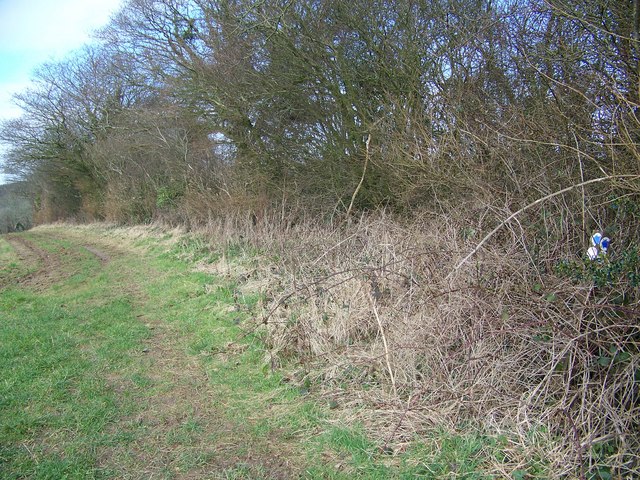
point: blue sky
(37, 31)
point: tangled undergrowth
(528, 342)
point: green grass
(56, 403)
(79, 384)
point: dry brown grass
(380, 327)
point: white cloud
(50, 27)
(36, 31)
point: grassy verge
(130, 365)
(57, 347)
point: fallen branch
(364, 171)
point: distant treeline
(190, 109)
(15, 207)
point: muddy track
(183, 396)
(44, 266)
(103, 257)
(182, 393)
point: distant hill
(15, 207)
(12, 188)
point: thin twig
(387, 355)
(364, 171)
(584, 201)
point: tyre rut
(181, 394)
(44, 266)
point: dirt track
(182, 393)
(45, 267)
(39, 263)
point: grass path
(109, 368)
(119, 359)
